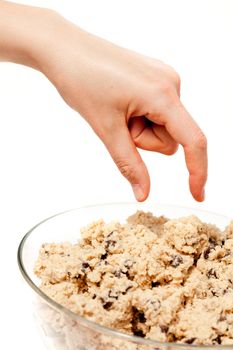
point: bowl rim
(91, 324)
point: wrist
(61, 48)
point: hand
(128, 99)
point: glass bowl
(64, 330)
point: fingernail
(138, 192)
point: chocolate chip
(196, 260)
(110, 243)
(141, 317)
(139, 333)
(176, 260)
(213, 241)
(85, 265)
(215, 294)
(228, 252)
(218, 339)
(164, 328)
(211, 274)
(208, 250)
(107, 305)
(155, 284)
(222, 317)
(138, 316)
(104, 256)
(129, 287)
(127, 275)
(190, 340)
(94, 296)
(117, 273)
(109, 234)
(112, 294)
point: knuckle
(177, 81)
(167, 92)
(176, 78)
(125, 169)
(165, 88)
(172, 74)
(200, 140)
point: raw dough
(168, 280)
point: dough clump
(167, 280)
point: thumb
(128, 160)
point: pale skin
(131, 101)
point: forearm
(23, 31)
(39, 38)
(110, 87)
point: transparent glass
(64, 330)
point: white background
(51, 160)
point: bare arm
(129, 100)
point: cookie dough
(167, 280)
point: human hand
(128, 99)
